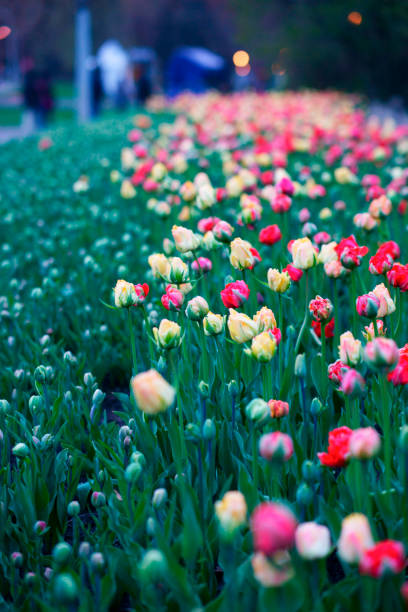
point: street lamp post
(82, 55)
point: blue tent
(193, 69)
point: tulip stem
(387, 434)
(280, 348)
(148, 331)
(302, 329)
(353, 302)
(254, 459)
(324, 365)
(336, 314)
(132, 342)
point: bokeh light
(4, 32)
(243, 71)
(355, 18)
(240, 58)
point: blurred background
(67, 60)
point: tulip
(386, 556)
(355, 538)
(152, 392)
(278, 281)
(321, 308)
(352, 383)
(243, 255)
(350, 351)
(368, 305)
(231, 511)
(387, 305)
(312, 540)
(213, 324)
(241, 327)
(274, 571)
(235, 294)
(167, 335)
(185, 240)
(303, 254)
(265, 319)
(159, 264)
(172, 299)
(364, 443)
(276, 446)
(125, 294)
(273, 528)
(381, 353)
(278, 408)
(263, 347)
(223, 231)
(197, 308)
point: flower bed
(205, 359)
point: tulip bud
(40, 527)
(97, 562)
(278, 408)
(197, 308)
(352, 383)
(213, 324)
(20, 450)
(61, 553)
(304, 494)
(263, 347)
(300, 365)
(153, 566)
(203, 389)
(98, 499)
(4, 407)
(83, 491)
(17, 559)
(276, 446)
(316, 407)
(257, 410)
(233, 388)
(159, 498)
(310, 471)
(73, 508)
(364, 443)
(84, 550)
(167, 335)
(368, 305)
(381, 353)
(35, 403)
(65, 590)
(209, 430)
(132, 472)
(40, 374)
(98, 397)
(193, 432)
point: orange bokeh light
(240, 59)
(355, 18)
(4, 32)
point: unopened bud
(300, 366)
(257, 410)
(153, 565)
(65, 589)
(61, 553)
(209, 430)
(304, 494)
(20, 450)
(98, 499)
(97, 561)
(73, 508)
(159, 498)
(133, 472)
(203, 389)
(40, 374)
